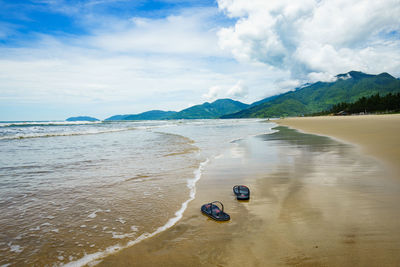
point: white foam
(49, 134)
(120, 220)
(191, 184)
(93, 214)
(44, 123)
(150, 127)
(116, 235)
(15, 248)
(219, 156)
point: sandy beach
(376, 135)
(314, 201)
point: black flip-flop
(242, 192)
(215, 212)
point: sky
(63, 58)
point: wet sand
(377, 135)
(314, 202)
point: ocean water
(71, 193)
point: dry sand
(314, 202)
(377, 135)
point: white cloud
(175, 34)
(315, 38)
(239, 90)
(133, 64)
(128, 68)
(213, 93)
(137, 65)
(288, 84)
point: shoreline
(301, 186)
(375, 135)
(109, 251)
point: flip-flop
(242, 192)
(215, 212)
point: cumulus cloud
(131, 64)
(288, 84)
(213, 93)
(176, 34)
(239, 90)
(137, 65)
(314, 39)
(126, 65)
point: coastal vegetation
(389, 103)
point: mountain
(268, 99)
(319, 96)
(151, 115)
(82, 118)
(207, 110)
(117, 117)
(148, 115)
(212, 110)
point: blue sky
(68, 17)
(106, 57)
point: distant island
(82, 118)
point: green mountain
(117, 117)
(148, 115)
(82, 118)
(268, 99)
(319, 96)
(207, 110)
(212, 110)
(151, 115)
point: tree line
(389, 103)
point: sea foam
(191, 184)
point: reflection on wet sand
(315, 202)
